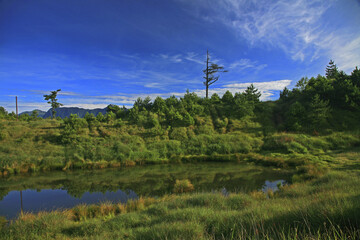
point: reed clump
(183, 186)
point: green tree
(331, 70)
(355, 77)
(301, 84)
(242, 107)
(110, 117)
(3, 112)
(209, 71)
(252, 94)
(91, 120)
(52, 100)
(215, 98)
(34, 114)
(72, 125)
(134, 114)
(227, 98)
(118, 112)
(318, 112)
(295, 116)
(159, 106)
(100, 117)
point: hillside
(64, 112)
(40, 113)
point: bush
(222, 144)
(179, 133)
(182, 186)
(166, 148)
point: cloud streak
(246, 64)
(299, 27)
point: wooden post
(17, 112)
(207, 74)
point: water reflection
(21, 205)
(49, 191)
(49, 199)
(273, 186)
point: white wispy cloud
(267, 89)
(182, 58)
(298, 27)
(161, 80)
(245, 64)
(263, 86)
(175, 58)
(346, 53)
(196, 58)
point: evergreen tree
(51, 98)
(318, 112)
(331, 70)
(159, 106)
(227, 98)
(301, 84)
(215, 98)
(252, 94)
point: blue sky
(111, 52)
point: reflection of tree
(146, 181)
(3, 193)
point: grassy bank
(324, 208)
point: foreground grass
(324, 208)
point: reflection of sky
(47, 199)
(272, 185)
(54, 199)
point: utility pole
(17, 111)
(207, 73)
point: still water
(60, 190)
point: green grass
(39, 145)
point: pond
(59, 190)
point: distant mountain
(40, 113)
(66, 111)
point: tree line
(330, 101)
(323, 102)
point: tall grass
(28, 146)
